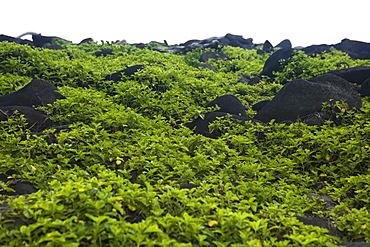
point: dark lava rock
(316, 49)
(285, 44)
(207, 66)
(212, 55)
(189, 186)
(318, 118)
(329, 202)
(15, 40)
(129, 71)
(230, 104)
(200, 125)
(254, 80)
(365, 88)
(300, 98)
(36, 120)
(273, 63)
(314, 221)
(355, 74)
(267, 46)
(244, 78)
(36, 93)
(86, 41)
(259, 105)
(104, 52)
(239, 41)
(356, 49)
(45, 41)
(22, 188)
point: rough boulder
(300, 98)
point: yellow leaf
(364, 226)
(131, 207)
(81, 190)
(257, 242)
(212, 223)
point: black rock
(300, 98)
(207, 66)
(267, 46)
(36, 120)
(200, 125)
(273, 63)
(15, 40)
(230, 104)
(129, 71)
(318, 118)
(104, 52)
(189, 42)
(244, 78)
(254, 80)
(355, 74)
(239, 41)
(22, 188)
(212, 55)
(365, 88)
(258, 106)
(285, 44)
(188, 186)
(314, 221)
(316, 49)
(43, 41)
(86, 41)
(329, 202)
(356, 49)
(36, 93)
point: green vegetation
(305, 67)
(113, 177)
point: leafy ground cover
(127, 172)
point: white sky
(303, 22)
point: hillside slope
(118, 165)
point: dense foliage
(115, 176)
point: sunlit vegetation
(116, 176)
